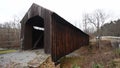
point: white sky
(71, 10)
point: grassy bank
(7, 51)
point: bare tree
(85, 23)
(97, 19)
(10, 33)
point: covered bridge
(42, 28)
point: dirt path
(21, 59)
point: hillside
(111, 29)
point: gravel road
(23, 59)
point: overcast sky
(71, 10)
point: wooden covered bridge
(42, 28)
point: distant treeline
(10, 35)
(111, 29)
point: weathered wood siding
(65, 37)
(26, 38)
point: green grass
(75, 66)
(7, 51)
(96, 65)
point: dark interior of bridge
(37, 27)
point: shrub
(95, 65)
(75, 66)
